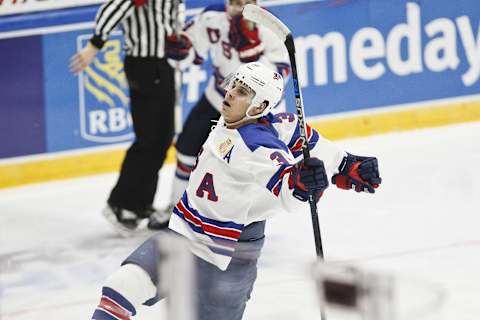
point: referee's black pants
(152, 100)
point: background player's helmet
(266, 84)
(235, 7)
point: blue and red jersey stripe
(295, 144)
(225, 233)
(183, 171)
(276, 181)
(113, 306)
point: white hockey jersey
(240, 177)
(209, 34)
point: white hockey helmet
(265, 83)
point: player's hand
(309, 176)
(81, 60)
(243, 36)
(359, 173)
(177, 47)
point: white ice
(423, 226)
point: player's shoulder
(213, 14)
(282, 118)
(214, 8)
(261, 134)
(284, 123)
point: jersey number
(278, 158)
(207, 186)
(227, 50)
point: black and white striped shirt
(145, 26)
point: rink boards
(366, 67)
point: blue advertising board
(22, 119)
(361, 54)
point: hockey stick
(178, 78)
(263, 17)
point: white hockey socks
(127, 288)
(182, 174)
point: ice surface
(422, 225)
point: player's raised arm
(191, 45)
(284, 177)
(348, 171)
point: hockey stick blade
(263, 17)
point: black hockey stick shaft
(261, 16)
(290, 45)
(178, 121)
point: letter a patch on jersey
(207, 186)
(228, 155)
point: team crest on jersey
(225, 149)
(225, 146)
(104, 103)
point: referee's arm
(108, 16)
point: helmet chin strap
(247, 118)
(239, 123)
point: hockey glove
(358, 172)
(309, 176)
(198, 59)
(177, 48)
(243, 36)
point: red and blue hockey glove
(243, 36)
(309, 176)
(177, 48)
(360, 173)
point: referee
(149, 30)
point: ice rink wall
(366, 67)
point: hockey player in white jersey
(221, 31)
(250, 168)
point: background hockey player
(231, 41)
(249, 169)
